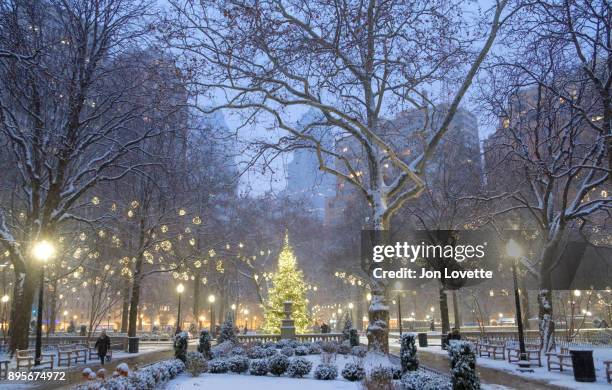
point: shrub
(282, 343)
(256, 352)
(353, 337)
(359, 351)
(326, 372)
(269, 344)
(463, 366)
(204, 344)
(299, 367)
(278, 364)
(258, 367)
(408, 353)
(217, 366)
(227, 332)
(270, 352)
(344, 348)
(302, 350)
(238, 364)
(314, 349)
(238, 351)
(381, 374)
(329, 347)
(287, 351)
(423, 380)
(223, 349)
(196, 363)
(180, 346)
(353, 372)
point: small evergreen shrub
(423, 380)
(463, 366)
(326, 372)
(344, 348)
(287, 351)
(302, 350)
(269, 344)
(299, 367)
(256, 352)
(217, 366)
(227, 332)
(278, 364)
(329, 347)
(353, 372)
(238, 364)
(180, 346)
(353, 337)
(204, 344)
(196, 363)
(223, 349)
(359, 351)
(381, 374)
(258, 367)
(270, 352)
(238, 351)
(408, 353)
(314, 349)
(282, 343)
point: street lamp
(42, 251)
(514, 251)
(201, 319)
(180, 289)
(246, 313)
(211, 300)
(5, 299)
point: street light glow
(513, 249)
(233, 306)
(43, 250)
(180, 288)
(369, 297)
(5, 298)
(211, 298)
(350, 305)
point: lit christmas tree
(287, 285)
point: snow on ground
(251, 382)
(561, 379)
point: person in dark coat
(102, 346)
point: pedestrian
(102, 346)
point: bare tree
(352, 62)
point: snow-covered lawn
(251, 382)
(556, 378)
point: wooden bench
(608, 364)
(4, 368)
(64, 354)
(533, 355)
(556, 361)
(27, 356)
(80, 353)
(493, 349)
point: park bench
(556, 361)
(533, 352)
(27, 356)
(80, 353)
(608, 364)
(493, 349)
(64, 354)
(4, 368)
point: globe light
(501, 315)
(211, 298)
(65, 312)
(180, 288)
(5, 298)
(432, 309)
(513, 249)
(202, 318)
(369, 297)
(43, 250)
(233, 306)
(350, 305)
(577, 293)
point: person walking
(102, 346)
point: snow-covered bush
(270, 351)
(269, 344)
(359, 351)
(381, 374)
(423, 380)
(287, 351)
(204, 344)
(282, 343)
(180, 346)
(344, 348)
(256, 352)
(89, 374)
(353, 372)
(150, 377)
(302, 350)
(238, 364)
(329, 347)
(353, 337)
(196, 363)
(259, 367)
(408, 353)
(314, 349)
(326, 372)
(218, 366)
(348, 325)
(227, 332)
(238, 351)
(278, 364)
(463, 365)
(299, 367)
(223, 349)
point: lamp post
(350, 306)
(179, 289)
(514, 251)
(246, 318)
(211, 300)
(42, 251)
(399, 312)
(5, 299)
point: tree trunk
(378, 312)
(545, 302)
(125, 308)
(196, 295)
(456, 318)
(21, 309)
(52, 309)
(525, 305)
(135, 297)
(444, 311)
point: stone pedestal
(287, 325)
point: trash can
(584, 368)
(133, 344)
(422, 339)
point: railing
(306, 337)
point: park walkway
(487, 375)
